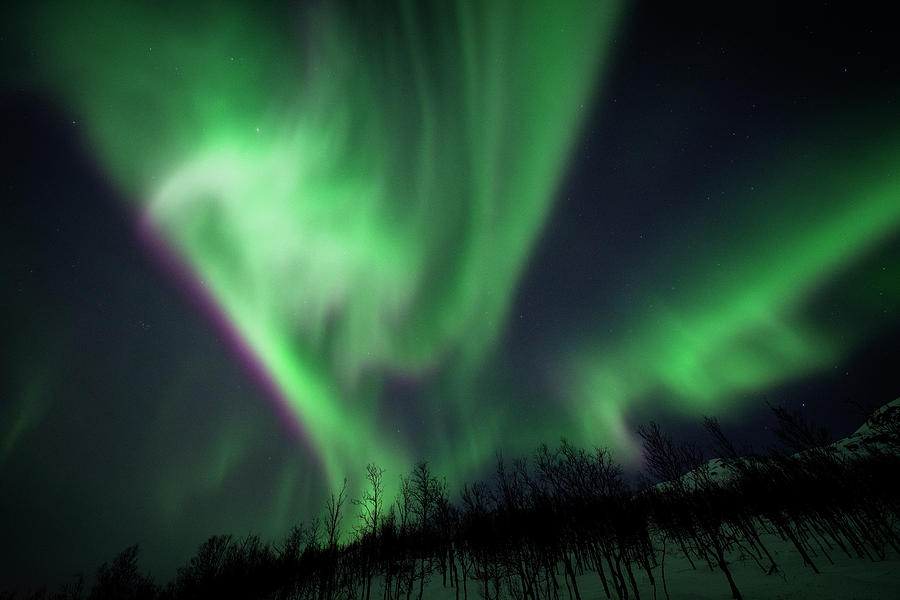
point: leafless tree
(798, 433)
(335, 516)
(370, 506)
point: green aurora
(358, 205)
(359, 193)
(741, 317)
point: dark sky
(724, 233)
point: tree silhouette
(121, 580)
(371, 506)
(541, 522)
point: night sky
(247, 251)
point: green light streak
(360, 200)
(24, 415)
(739, 321)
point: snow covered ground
(840, 577)
(846, 579)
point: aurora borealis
(341, 233)
(359, 218)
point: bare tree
(335, 517)
(333, 521)
(371, 507)
(726, 449)
(121, 579)
(661, 456)
(427, 491)
(372, 503)
(796, 432)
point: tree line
(545, 519)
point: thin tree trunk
(634, 587)
(598, 561)
(720, 557)
(662, 568)
(686, 553)
(801, 550)
(422, 579)
(571, 574)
